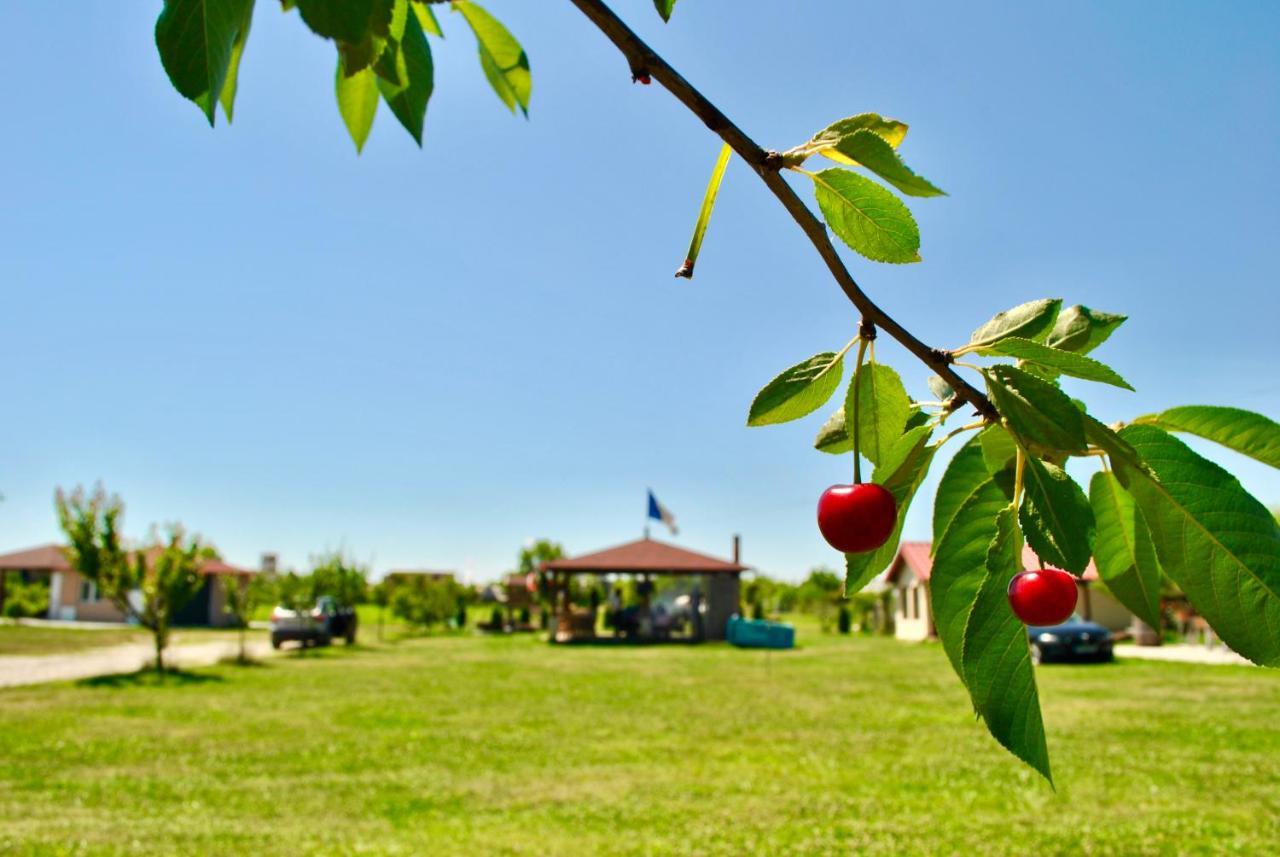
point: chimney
(737, 549)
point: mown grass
(478, 745)
(36, 640)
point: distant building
(913, 617)
(74, 598)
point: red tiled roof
(42, 558)
(645, 556)
(217, 566)
(916, 555)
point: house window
(88, 592)
(915, 601)
(902, 601)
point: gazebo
(715, 599)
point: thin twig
(644, 61)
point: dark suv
(1073, 640)
(317, 628)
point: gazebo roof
(644, 556)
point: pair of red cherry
(860, 518)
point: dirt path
(1184, 653)
(111, 660)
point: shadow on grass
(237, 661)
(150, 678)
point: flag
(659, 512)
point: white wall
(911, 607)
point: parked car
(318, 628)
(1073, 640)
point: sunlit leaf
(197, 42)
(1123, 550)
(883, 408)
(1056, 517)
(867, 217)
(1065, 362)
(1244, 431)
(408, 100)
(1032, 320)
(1081, 329)
(1037, 411)
(357, 102)
(505, 64)
(872, 151)
(798, 391)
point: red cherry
(856, 518)
(1046, 596)
(644, 79)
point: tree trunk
(243, 659)
(159, 640)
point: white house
(913, 618)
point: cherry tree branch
(645, 61)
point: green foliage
(1031, 320)
(198, 41)
(408, 88)
(1038, 413)
(1065, 362)
(867, 217)
(505, 64)
(834, 437)
(425, 602)
(798, 391)
(882, 408)
(827, 141)
(1125, 554)
(1244, 431)
(872, 151)
(1056, 517)
(24, 599)
(963, 476)
(296, 592)
(1081, 329)
(357, 96)
(664, 8)
(1219, 544)
(996, 659)
(341, 578)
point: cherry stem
(857, 379)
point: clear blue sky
(430, 356)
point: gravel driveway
(110, 660)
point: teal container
(760, 634)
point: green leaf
(1219, 544)
(833, 437)
(408, 101)
(825, 141)
(1031, 320)
(664, 8)
(867, 217)
(1244, 431)
(1123, 549)
(883, 409)
(505, 64)
(798, 391)
(1081, 329)
(1037, 411)
(940, 388)
(872, 151)
(196, 40)
(231, 84)
(1107, 440)
(357, 102)
(346, 21)
(916, 418)
(704, 214)
(998, 449)
(1056, 517)
(1066, 362)
(960, 557)
(997, 659)
(900, 473)
(427, 19)
(964, 473)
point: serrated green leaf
(901, 474)
(883, 408)
(997, 658)
(1219, 544)
(1036, 411)
(231, 84)
(1244, 431)
(833, 438)
(964, 473)
(348, 21)
(1065, 362)
(427, 19)
(798, 391)
(916, 418)
(408, 100)
(1032, 320)
(824, 142)
(1056, 516)
(505, 64)
(1081, 329)
(196, 40)
(998, 449)
(357, 102)
(872, 151)
(867, 217)
(960, 557)
(664, 8)
(1123, 550)
(1106, 439)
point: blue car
(1073, 640)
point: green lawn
(37, 640)
(466, 745)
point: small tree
(244, 593)
(341, 578)
(164, 577)
(425, 602)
